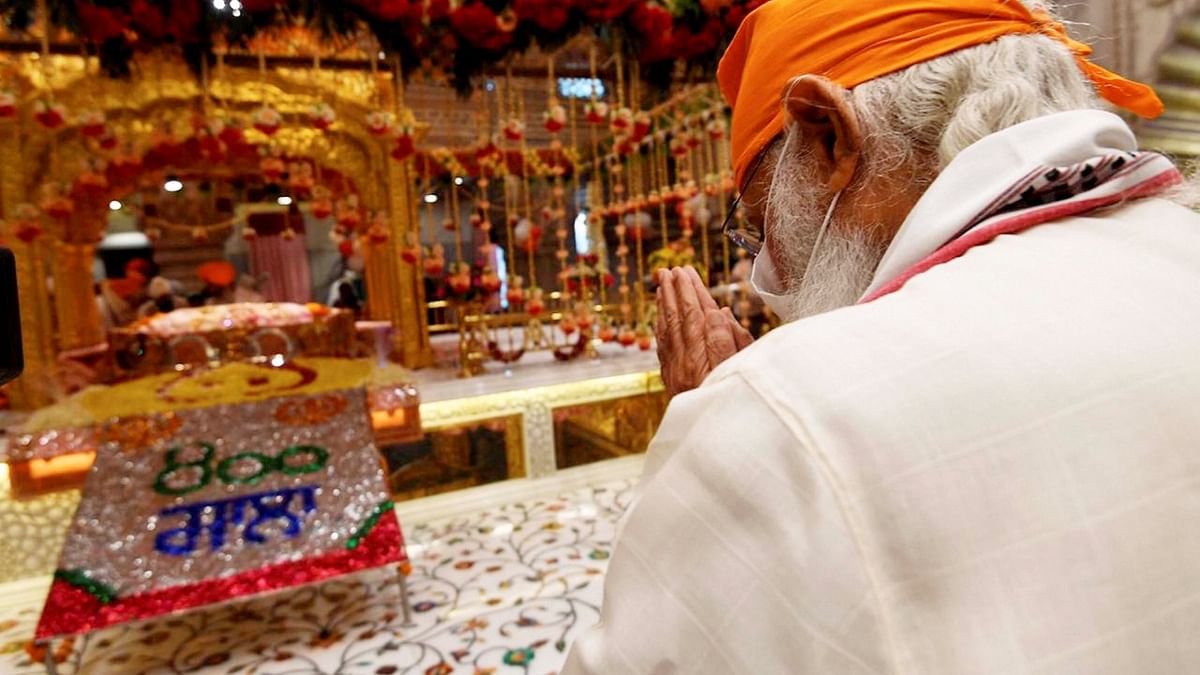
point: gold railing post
(31, 390)
(395, 289)
(75, 304)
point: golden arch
(172, 98)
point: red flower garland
(390, 10)
(479, 26)
(148, 19)
(549, 15)
(262, 5)
(606, 10)
(99, 23)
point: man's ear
(828, 126)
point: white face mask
(764, 278)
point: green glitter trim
(320, 457)
(206, 472)
(101, 591)
(369, 524)
(265, 466)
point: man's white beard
(846, 260)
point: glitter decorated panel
(220, 503)
(501, 591)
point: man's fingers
(693, 350)
(718, 338)
(668, 312)
(741, 336)
(689, 303)
(702, 294)
(659, 323)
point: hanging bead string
(557, 202)
(414, 237)
(576, 169)
(456, 216)
(664, 188)
(597, 202)
(640, 292)
(431, 219)
(595, 195)
(317, 91)
(52, 169)
(510, 218)
(707, 190)
(486, 169)
(526, 181)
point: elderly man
(976, 448)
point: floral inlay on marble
(504, 591)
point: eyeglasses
(748, 238)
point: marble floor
(503, 580)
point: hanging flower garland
(27, 223)
(460, 38)
(92, 123)
(321, 116)
(49, 115)
(8, 104)
(267, 120)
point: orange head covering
(217, 273)
(852, 42)
(127, 288)
(138, 267)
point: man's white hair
(936, 109)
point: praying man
(975, 445)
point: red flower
(183, 21)
(231, 135)
(28, 233)
(478, 25)
(487, 152)
(346, 248)
(733, 17)
(605, 10)
(99, 23)
(651, 19)
(404, 148)
(261, 5)
(148, 19)
(390, 10)
(688, 44)
(656, 27)
(549, 15)
(437, 10)
(322, 209)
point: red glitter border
(70, 610)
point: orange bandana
(854, 42)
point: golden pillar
(395, 289)
(75, 304)
(32, 389)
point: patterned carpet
(505, 591)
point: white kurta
(995, 469)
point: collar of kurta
(1046, 169)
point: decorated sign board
(201, 506)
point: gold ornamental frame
(168, 94)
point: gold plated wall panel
(168, 97)
(535, 407)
